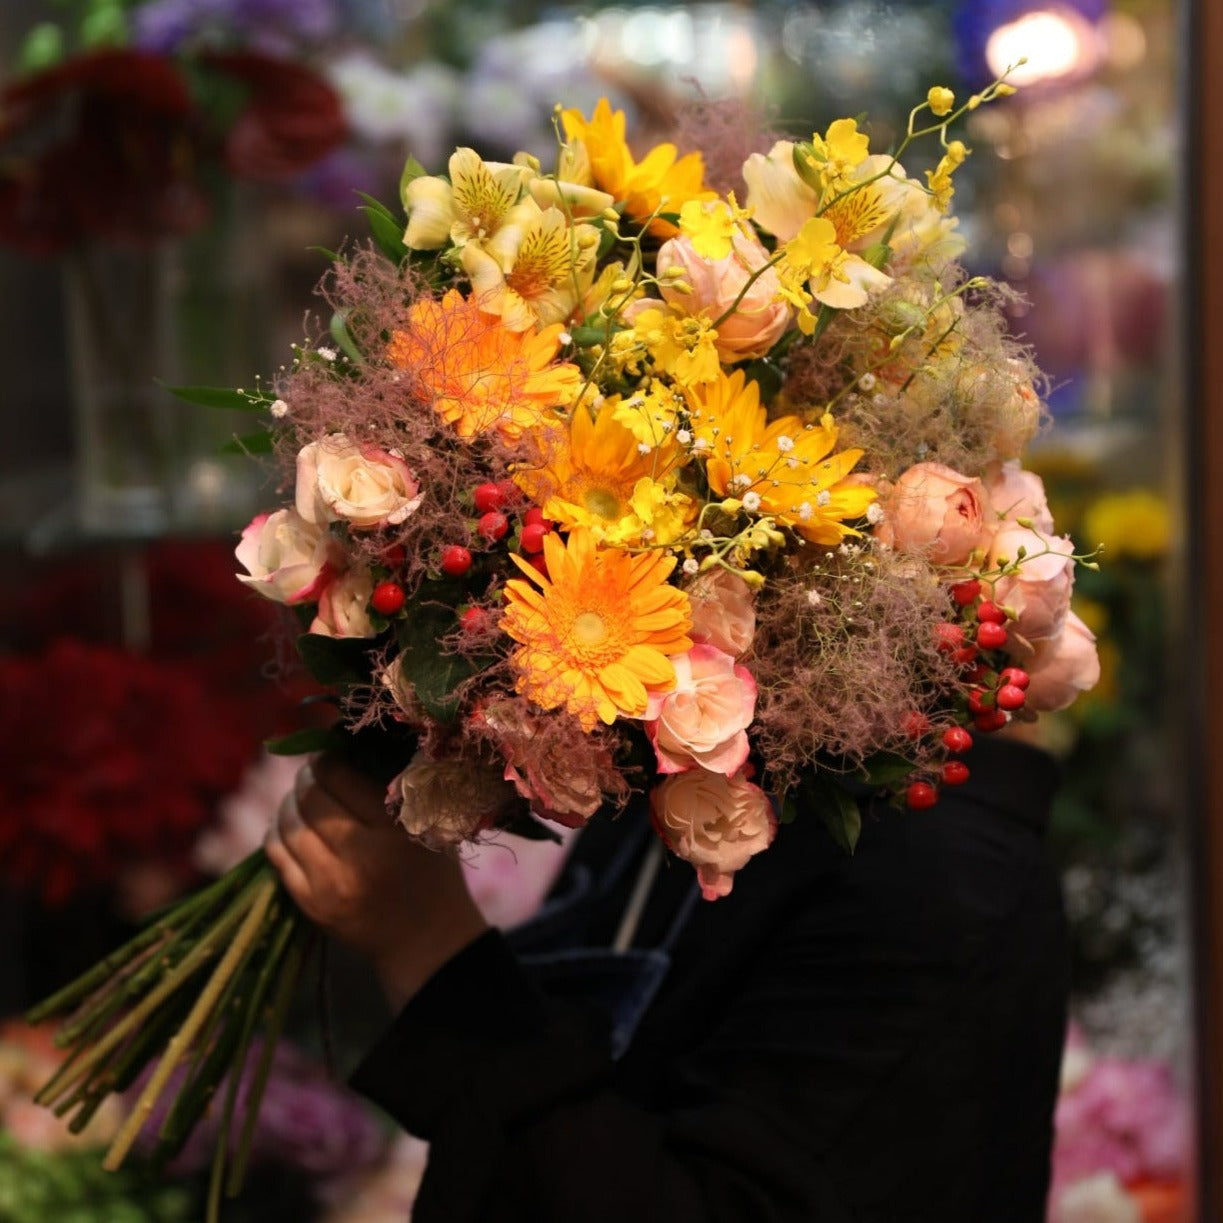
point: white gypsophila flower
(751, 502)
(691, 567)
(279, 408)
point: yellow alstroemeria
(661, 182)
(535, 269)
(777, 197)
(471, 206)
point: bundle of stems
(191, 990)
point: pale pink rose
(365, 486)
(723, 611)
(343, 609)
(759, 319)
(1038, 592)
(1061, 667)
(937, 512)
(288, 559)
(1013, 493)
(702, 722)
(446, 802)
(715, 823)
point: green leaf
(343, 337)
(586, 337)
(433, 674)
(385, 227)
(223, 397)
(303, 742)
(335, 660)
(249, 443)
(836, 808)
(412, 170)
(884, 768)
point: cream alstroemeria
(472, 206)
(535, 269)
(778, 199)
(577, 199)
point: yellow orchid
(833, 276)
(683, 345)
(712, 225)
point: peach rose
(714, 822)
(1013, 493)
(1038, 593)
(343, 609)
(1062, 666)
(287, 559)
(702, 722)
(723, 611)
(758, 320)
(446, 802)
(365, 486)
(935, 511)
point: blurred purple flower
(275, 26)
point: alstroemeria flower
(472, 206)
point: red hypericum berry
(955, 773)
(977, 674)
(991, 636)
(1010, 696)
(493, 525)
(956, 739)
(535, 515)
(532, 537)
(387, 598)
(456, 560)
(920, 795)
(990, 720)
(948, 636)
(914, 724)
(489, 496)
(1015, 675)
(474, 620)
(979, 701)
(965, 592)
(990, 613)
(396, 554)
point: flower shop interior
(141, 679)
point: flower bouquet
(608, 485)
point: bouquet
(612, 483)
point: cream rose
(758, 320)
(715, 823)
(446, 802)
(1061, 667)
(1038, 593)
(287, 559)
(702, 722)
(343, 609)
(723, 611)
(937, 512)
(1013, 493)
(365, 486)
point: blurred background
(135, 674)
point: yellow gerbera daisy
(785, 469)
(478, 375)
(661, 182)
(598, 475)
(596, 636)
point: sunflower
(596, 636)
(660, 182)
(789, 465)
(477, 374)
(599, 475)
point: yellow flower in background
(683, 345)
(783, 469)
(597, 475)
(477, 374)
(596, 636)
(661, 182)
(711, 225)
(1136, 523)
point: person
(874, 1037)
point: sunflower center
(602, 502)
(590, 628)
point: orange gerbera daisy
(596, 636)
(476, 373)
(660, 182)
(786, 467)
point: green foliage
(434, 675)
(224, 397)
(385, 228)
(335, 661)
(821, 794)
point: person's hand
(359, 876)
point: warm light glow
(1055, 43)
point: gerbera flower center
(603, 503)
(590, 628)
